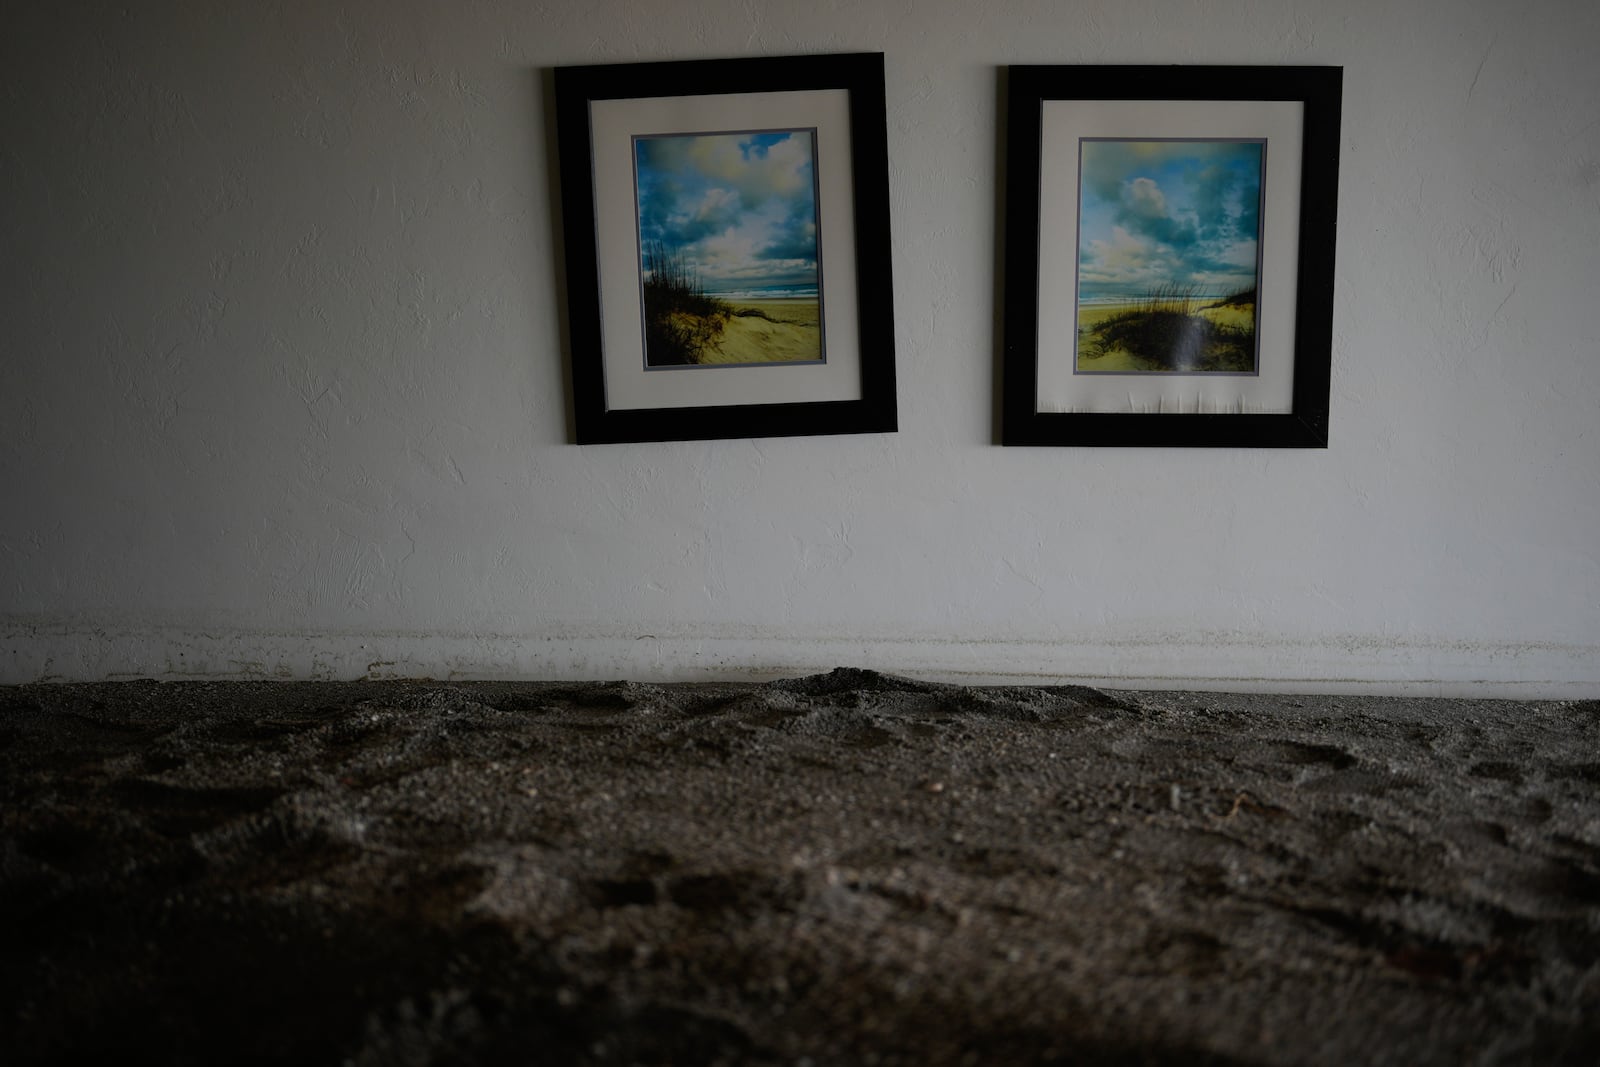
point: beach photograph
(729, 264)
(1169, 239)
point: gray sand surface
(845, 869)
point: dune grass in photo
(1170, 329)
(680, 321)
(685, 326)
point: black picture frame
(617, 396)
(1077, 98)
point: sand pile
(850, 868)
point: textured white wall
(283, 391)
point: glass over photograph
(729, 267)
(1169, 256)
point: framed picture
(1169, 255)
(726, 225)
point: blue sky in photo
(741, 207)
(1168, 213)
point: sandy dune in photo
(769, 331)
(1236, 316)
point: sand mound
(848, 868)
